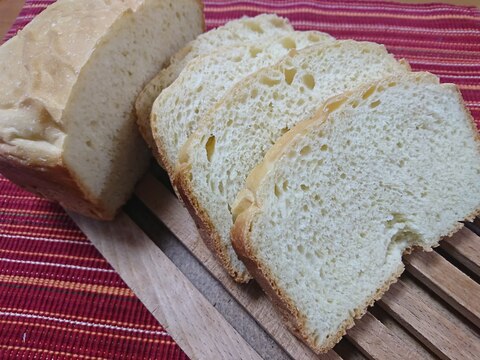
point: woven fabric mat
(61, 299)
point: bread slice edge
(211, 238)
(245, 211)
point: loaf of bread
(235, 135)
(234, 33)
(179, 108)
(325, 218)
(69, 82)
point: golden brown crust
(56, 183)
(159, 150)
(211, 238)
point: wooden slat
(376, 341)
(438, 333)
(447, 281)
(176, 218)
(464, 246)
(199, 329)
(403, 334)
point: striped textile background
(60, 299)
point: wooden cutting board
(432, 312)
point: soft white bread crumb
(235, 135)
(178, 109)
(238, 32)
(327, 215)
(67, 128)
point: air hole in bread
(368, 93)
(268, 81)
(309, 81)
(255, 51)
(210, 147)
(276, 190)
(306, 150)
(332, 106)
(300, 249)
(254, 27)
(289, 75)
(289, 43)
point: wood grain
(376, 341)
(464, 246)
(176, 218)
(439, 333)
(448, 282)
(199, 329)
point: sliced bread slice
(179, 108)
(69, 80)
(235, 135)
(236, 32)
(325, 218)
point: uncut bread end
(67, 125)
(324, 220)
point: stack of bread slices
(311, 164)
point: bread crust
(247, 210)
(29, 154)
(211, 238)
(54, 182)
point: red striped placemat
(61, 299)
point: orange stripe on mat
(81, 318)
(25, 211)
(60, 284)
(51, 255)
(81, 331)
(50, 352)
(42, 234)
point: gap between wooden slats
(376, 341)
(448, 282)
(199, 329)
(464, 246)
(418, 314)
(169, 210)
